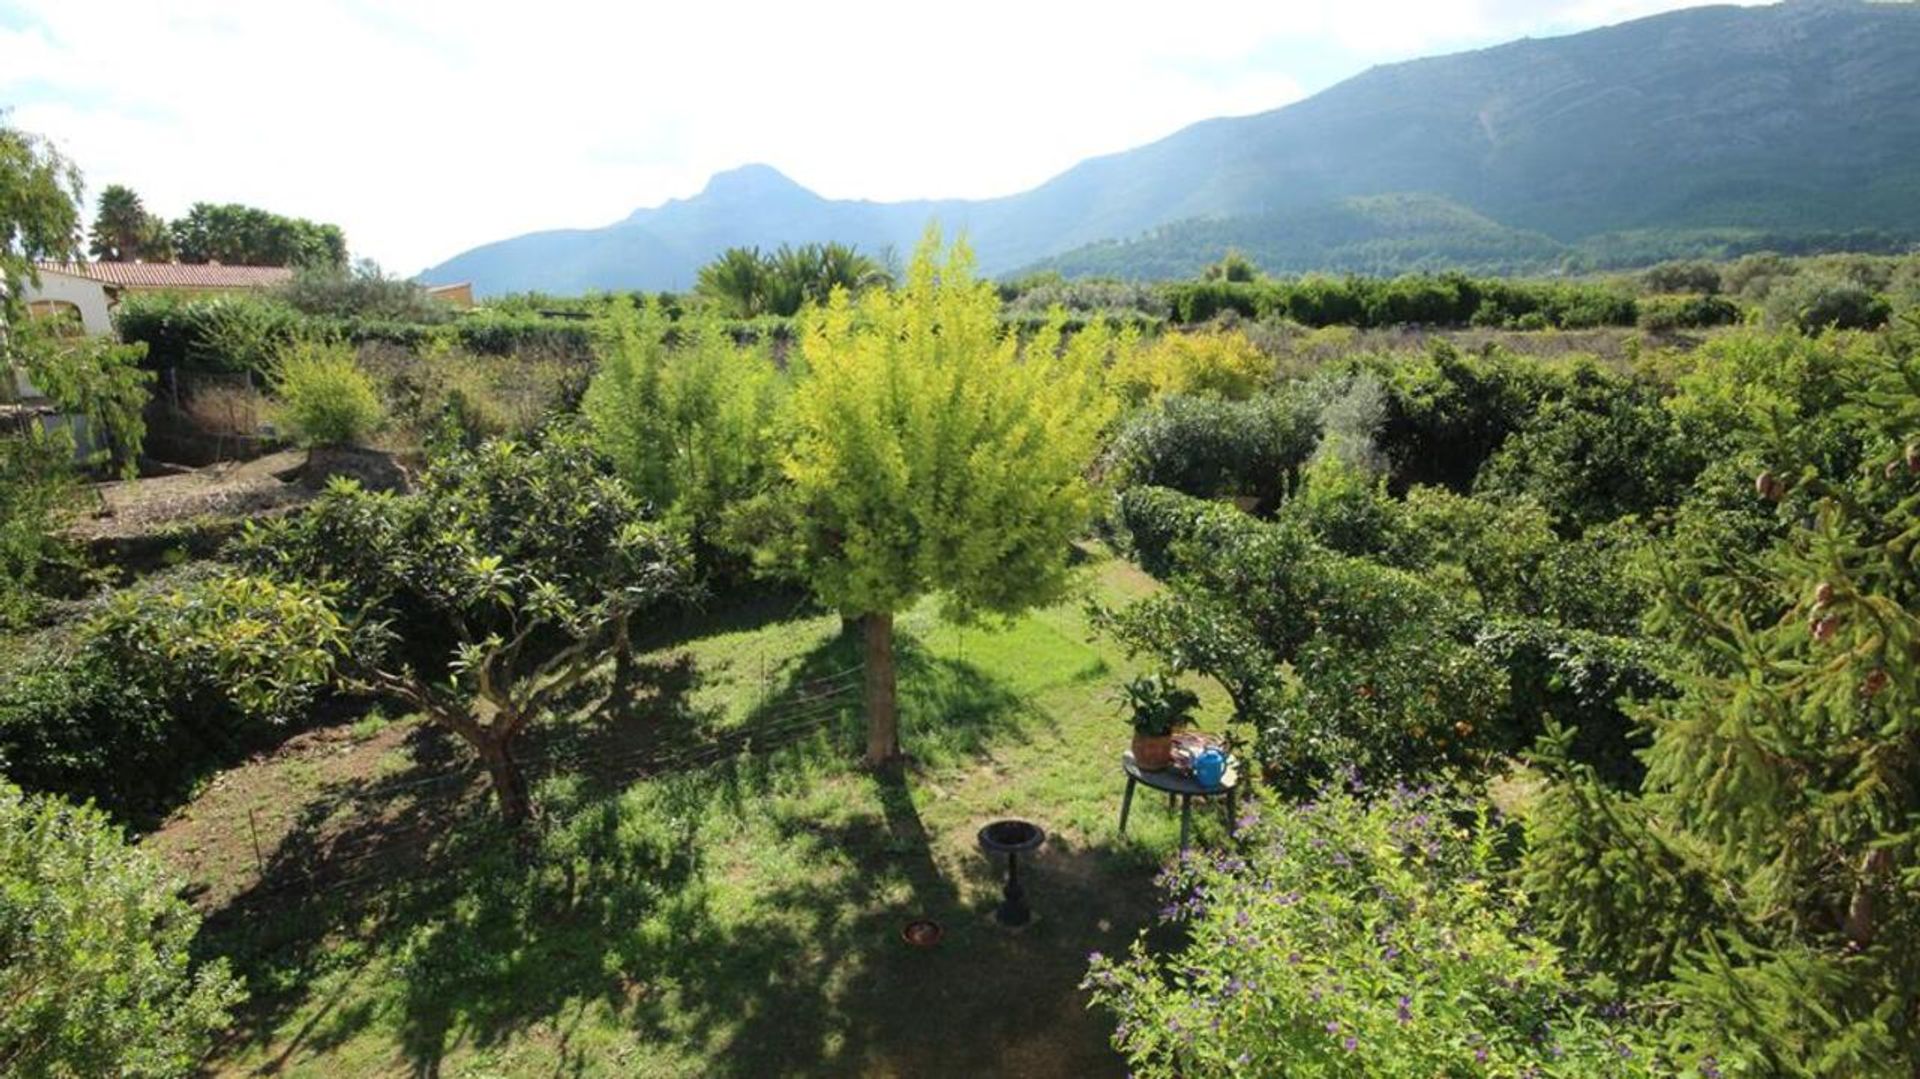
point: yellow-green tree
(936, 454)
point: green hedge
(1422, 299)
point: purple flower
(1293, 958)
(1351, 1043)
(1095, 957)
(1480, 1056)
(1710, 1068)
(1333, 1025)
(1405, 1011)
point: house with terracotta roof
(179, 277)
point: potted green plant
(1159, 706)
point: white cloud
(424, 128)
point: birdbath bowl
(1012, 838)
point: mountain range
(1705, 130)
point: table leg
(1233, 816)
(1186, 817)
(1126, 804)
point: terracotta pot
(1152, 752)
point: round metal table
(1178, 785)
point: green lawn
(735, 920)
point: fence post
(253, 827)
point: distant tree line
(125, 231)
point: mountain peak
(752, 181)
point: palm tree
(739, 281)
(122, 227)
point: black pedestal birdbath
(1012, 838)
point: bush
(222, 333)
(98, 978)
(361, 292)
(696, 427)
(1688, 276)
(1359, 938)
(38, 489)
(1447, 413)
(1345, 508)
(1217, 363)
(1813, 303)
(1210, 448)
(325, 398)
(1582, 682)
(1606, 449)
(1662, 314)
(163, 687)
(1153, 519)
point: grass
(741, 919)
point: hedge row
(1449, 299)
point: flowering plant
(1357, 937)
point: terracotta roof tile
(175, 274)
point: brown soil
(129, 509)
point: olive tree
(936, 455)
(490, 595)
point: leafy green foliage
(248, 236)
(934, 453)
(1449, 299)
(363, 291)
(95, 378)
(123, 230)
(1813, 304)
(741, 282)
(99, 977)
(325, 397)
(1663, 314)
(38, 490)
(39, 211)
(163, 686)
(1777, 781)
(493, 592)
(1221, 364)
(1157, 704)
(692, 421)
(1362, 937)
(1207, 447)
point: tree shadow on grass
(617, 909)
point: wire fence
(310, 851)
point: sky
(426, 128)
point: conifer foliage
(1764, 884)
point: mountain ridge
(1802, 117)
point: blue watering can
(1209, 767)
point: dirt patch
(134, 509)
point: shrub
(222, 333)
(162, 687)
(1217, 363)
(1153, 519)
(1689, 276)
(361, 292)
(1363, 938)
(1344, 507)
(325, 398)
(38, 490)
(1581, 682)
(1604, 450)
(1813, 303)
(1209, 448)
(1661, 314)
(696, 426)
(1447, 413)
(98, 978)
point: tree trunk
(883, 720)
(625, 671)
(509, 782)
